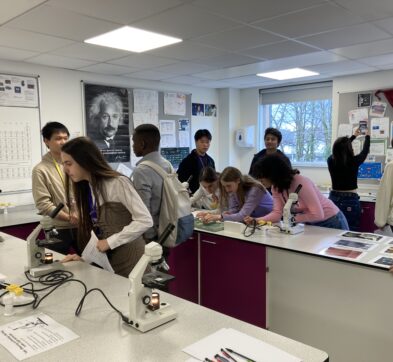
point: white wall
(61, 100)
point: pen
(227, 355)
(240, 355)
(220, 358)
(207, 360)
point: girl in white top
(208, 194)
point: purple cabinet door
(367, 217)
(233, 278)
(183, 262)
(19, 231)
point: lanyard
(59, 170)
(92, 207)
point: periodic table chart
(20, 138)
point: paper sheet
(145, 101)
(33, 335)
(175, 104)
(91, 254)
(168, 133)
(380, 127)
(377, 147)
(389, 155)
(357, 115)
(239, 342)
(124, 170)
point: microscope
(146, 311)
(39, 262)
(288, 224)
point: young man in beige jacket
(49, 187)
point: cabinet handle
(209, 242)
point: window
(303, 114)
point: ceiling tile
(104, 68)
(377, 60)
(184, 68)
(368, 10)
(12, 8)
(251, 10)
(184, 79)
(119, 11)
(228, 60)
(386, 24)
(21, 39)
(149, 75)
(91, 52)
(187, 51)
(185, 22)
(366, 49)
(63, 23)
(356, 34)
(386, 67)
(58, 61)
(239, 38)
(340, 67)
(143, 61)
(15, 54)
(310, 21)
(279, 50)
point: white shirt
(384, 202)
(121, 190)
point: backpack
(175, 207)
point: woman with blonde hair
(240, 196)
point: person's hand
(211, 217)
(202, 214)
(102, 245)
(73, 219)
(71, 257)
(367, 133)
(248, 219)
(357, 132)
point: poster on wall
(18, 91)
(107, 121)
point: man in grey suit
(148, 183)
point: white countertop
(103, 337)
(312, 241)
(19, 215)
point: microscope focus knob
(146, 300)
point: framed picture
(364, 99)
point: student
(313, 208)
(108, 204)
(49, 188)
(343, 168)
(208, 194)
(198, 159)
(272, 140)
(241, 196)
(147, 182)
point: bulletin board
(20, 140)
(172, 116)
(352, 108)
(168, 110)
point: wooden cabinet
(233, 278)
(183, 262)
(367, 217)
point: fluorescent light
(132, 39)
(288, 74)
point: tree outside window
(306, 128)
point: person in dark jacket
(343, 168)
(272, 140)
(197, 160)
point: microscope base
(153, 319)
(45, 269)
(293, 230)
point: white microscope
(145, 309)
(39, 262)
(288, 224)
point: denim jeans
(349, 204)
(337, 221)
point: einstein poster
(107, 121)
